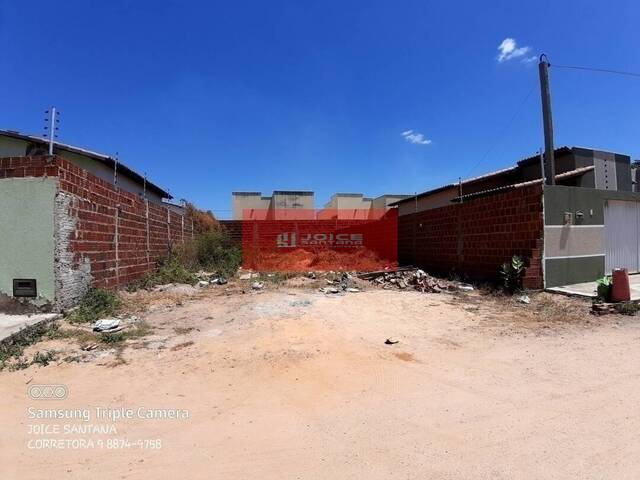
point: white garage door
(621, 221)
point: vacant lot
(291, 383)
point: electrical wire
(599, 70)
(503, 130)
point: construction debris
(176, 288)
(330, 290)
(416, 278)
(257, 285)
(106, 325)
(625, 308)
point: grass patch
(44, 358)
(13, 347)
(212, 251)
(170, 270)
(96, 304)
(83, 337)
(183, 330)
(142, 329)
(628, 308)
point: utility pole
(545, 96)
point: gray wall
(27, 233)
(12, 147)
(104, 172)
(575, 252)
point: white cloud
(509, 50)
(415, 137)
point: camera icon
(47, 392)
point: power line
(503, 130)
(599, 70)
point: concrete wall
(574, 252)
(249, 203)
(93, 233)
(292, 200)
(12, 147)
(106, 173)
(428, 202)
(27, 233)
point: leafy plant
(603, 289)
(215, 251)
(511, 273)
(170, 270)
(44, 358)
(96, 304)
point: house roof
(502, 171)
(100, 157)
(561, 176)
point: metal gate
(621, 222)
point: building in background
(281, 205)
(16, 144)
(300, 205)
(575, 231)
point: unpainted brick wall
(105, 236)
(233, 228)
(474, 238)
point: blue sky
(211, 97)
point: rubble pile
(413, 278)
(210, 278)
(346, 283)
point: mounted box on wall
(25, 287)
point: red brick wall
(233, 229)
(474, 238)
(102, 214)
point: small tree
(203, 221)
(511, 273)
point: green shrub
(214, 251)
(603, 289)
(44, 358)
(96, 304)
(511, 273)
(170, 270)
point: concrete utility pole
(545, 95)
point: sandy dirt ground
(290, 383)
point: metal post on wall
(115, 171)
(52, 127)
(545, 96)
